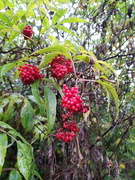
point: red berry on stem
(28, 32)
(29, 74)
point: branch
(117, 55)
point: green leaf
(27, 115)
(48, 58)
(15, 175)
(38, 175)
(50, 99)
(5, 19)
(1, 5)
(84, 58)
(47, 2)
(36, 94)
(72, 20)
(63, 28)
(107, 65)
(58, 15)
(13, 34)
(56, 85)
(3, 149)
(10, 109)
(98, 66)
(113, 92)
(6, 68)
(24, 159)
(46, 24)
(57, 48)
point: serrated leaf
(72, 20)
(50, 99)
(27, 115)
(24, 159)
(58, 15)
(15, 175)
(39, 100)
(3, 149)
(5, 19)
(63, 28)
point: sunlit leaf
(63, 28)
(72, 20)
(58, 15)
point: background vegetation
(99, 37)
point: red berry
(28, 32)
(60, 67)
(29, 73)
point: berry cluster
(65, 136)
(72, 100)
(71, 125)
(60, 67)
(29, 73)
(27, 31)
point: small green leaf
(13, 34)
(5, 19)
(72, 20)
(36, 94)
(3, 149)
(50, 99)
(63, 28)
(24, 159)
(27, 115)
(15, 175)
(58, 15)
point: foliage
(98, 37)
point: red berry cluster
(72, 100)
(65, 136)
(60, 67)
(27, 31)
(71, 125)
(29, 73)
(67, 133)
